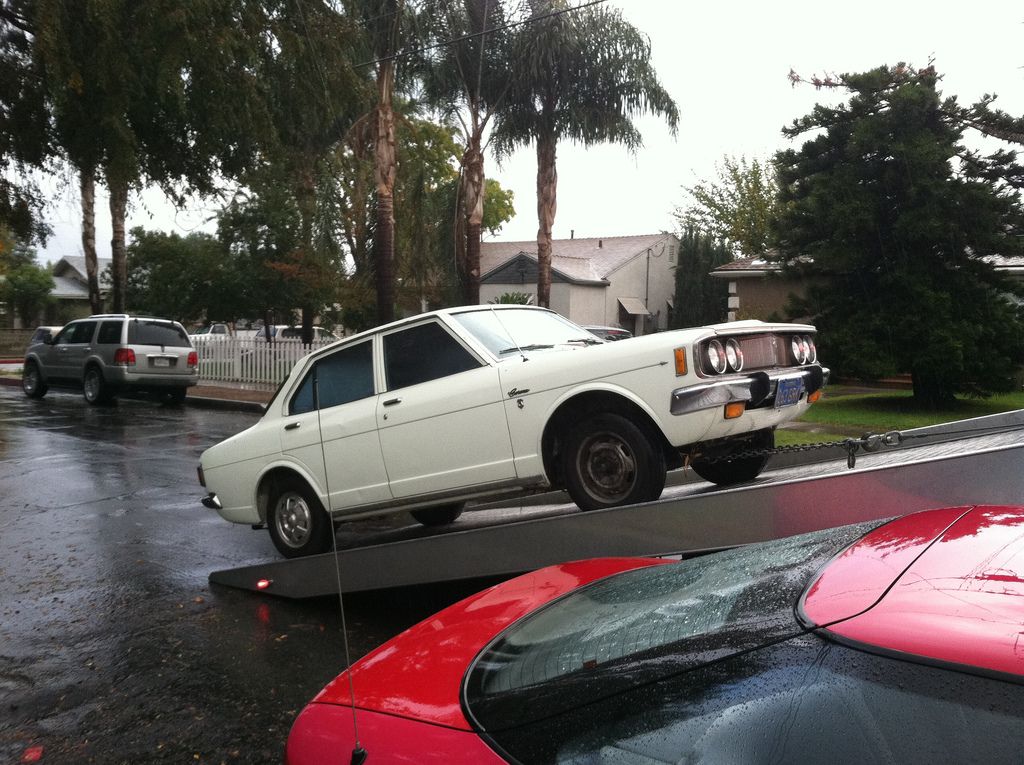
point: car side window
(423, 353)
(345, 376)
(340, 378)
(110, 333)
(66, 335)
(80, 333)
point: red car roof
(419, 673)
(941, 584)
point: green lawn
(889, 410)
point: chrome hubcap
(293, 519)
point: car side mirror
(48, 337)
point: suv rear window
(157, 333)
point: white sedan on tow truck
(426, 413)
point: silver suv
(108, 354)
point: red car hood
(418, 674)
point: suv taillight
(193, 359)
(124, 356)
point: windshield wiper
(536, 347)
(586, 341)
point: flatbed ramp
(978, 461)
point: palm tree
(383, 23)
(582, 75)
(465, 77)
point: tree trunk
(547, 187)
(118, 250)
(475, 186)
(385, 168)
(384, 248)
(88, 182)
(306, 198)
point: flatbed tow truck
(978, 461)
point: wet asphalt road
(114, 648)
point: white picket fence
(245, 360)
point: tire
(298, 524)
(32, 381)
(175, 396)
(438, 516)
(95, 388)
(719, 468)
(608, 461)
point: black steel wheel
(95, 388)
(32, 381)
(742, 460)
(609, 461)
(297, 521)
(438, 516)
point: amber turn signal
(680, 361)
(814, 396)
(734, 410)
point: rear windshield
(641, 626)
(143, 332)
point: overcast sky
(726, 65)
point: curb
(200, 402)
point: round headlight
(812, 352)
(799, 349)
(734, 355)
(716, 356)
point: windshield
(643, 625)
(510, 331)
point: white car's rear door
(442, 418)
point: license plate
(788, 393)
(161, 362)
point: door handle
(293, 426)
(392, 401)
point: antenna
(515, 342)
(359, 754)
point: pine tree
(892, 220)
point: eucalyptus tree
(315, 95)
(148, 91)
(581, 75)
(24, 134)
(465, 73)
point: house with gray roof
(624, 281)
(760, 289)
(71, 290)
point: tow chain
(869, 442)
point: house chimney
(572, 233)
(600, 244)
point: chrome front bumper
(756, 389)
